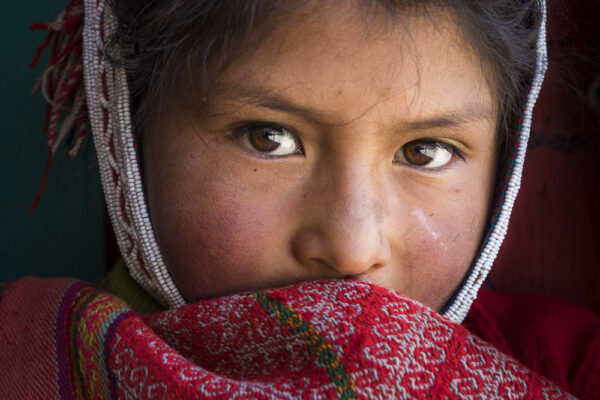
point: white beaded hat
(108, 108)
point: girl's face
(336, 149)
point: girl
(313, 193)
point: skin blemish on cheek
(456, 237)
(417, 212)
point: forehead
(346, 62)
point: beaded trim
(109, 111)
(461, 303)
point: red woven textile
(558, 340)
(332, 339)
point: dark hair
(160, 40)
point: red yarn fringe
(62, 84)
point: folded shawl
(65, 339)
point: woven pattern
(332, 339)
(328, 340)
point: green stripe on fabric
(77, 362)
(108, 320)
(317, 346)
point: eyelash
(241, 135)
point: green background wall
(65, 235)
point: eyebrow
(263, 97)
(470, 113)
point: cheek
(437, 265)
(212, 230)
(443, 236)
(213, 242)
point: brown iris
(420, 153)
(261, 138)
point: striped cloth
(65, 339)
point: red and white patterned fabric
(314, 340)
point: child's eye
(268, 139)
(426, 153)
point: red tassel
(38, 196)
(41, 47)
(62, 82)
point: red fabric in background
(551, 246)
(558, 340)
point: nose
(343, 231)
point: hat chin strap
(110, 118)
(462, 301)
(107, 96)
